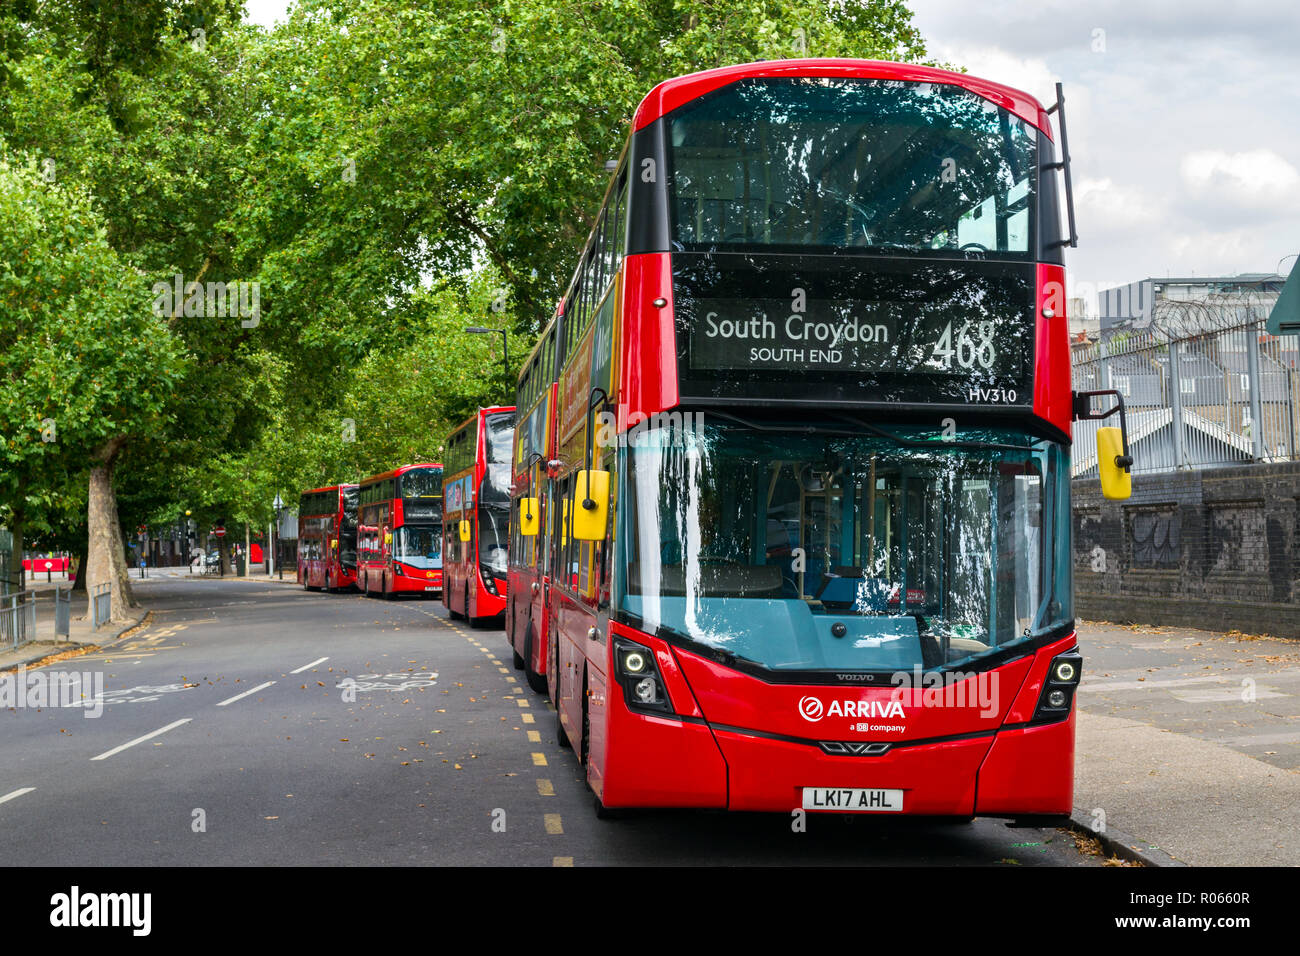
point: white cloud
(1254, 180)
(1103, 204)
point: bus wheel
(561, 735)
(535, 680)
(388, 592)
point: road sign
(219, 532)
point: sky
(1184, 122)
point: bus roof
(670, 94)
(312, 491)
(400, 470)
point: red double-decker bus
(476, 534)
(813, 452)
(399, 532)
(327, 538)
(530, 509)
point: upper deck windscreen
(862, 164)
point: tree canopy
(383, 173)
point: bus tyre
(561, 737)
(535, 680)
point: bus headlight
(643, 688)
(1057, 698)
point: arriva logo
(811, 708)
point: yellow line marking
(513, 680)
(503, 670)
(553, 826)
(534, 737)
(539, 760)
(521, 702)
(545, 788)
(529, 719)
(562, 861)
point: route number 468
(968, 351)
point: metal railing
(1229, 394)
(101, 603)
(62, 612)
(17, 618)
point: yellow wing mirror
(1114, 461)
(591, 505)
(388, 537)
(528, 517)
(1116, 482)
(464, 530)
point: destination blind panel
(855, 329)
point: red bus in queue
(327, 538)
(813, 452)
(399, 532)
(531, 505)
(478, 514)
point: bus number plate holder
(854, 800)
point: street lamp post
(278, 505)
(505, 348)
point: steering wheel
(973, 245)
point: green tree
(84, 364)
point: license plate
(844, 799)
(432, 589)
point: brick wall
(1214, 549)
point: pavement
(1190, 741)
(1188, 752)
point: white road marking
(1153, 684)
(306, 666)
(231, 700)
(1256, 740)
(17, 793)
(140, 740)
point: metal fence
(17, 618)
(1203, 389)
(101, 605)
(62, 612)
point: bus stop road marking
(254, 690)
(306, 666)
(139, 740)
(553, 825)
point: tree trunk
(17, 520)
(106, 552)
(248, 552)
(82, 553)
